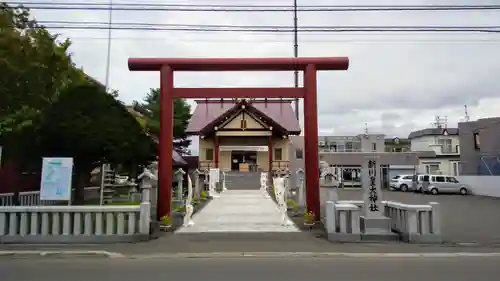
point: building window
(477, 144)
(299, 154)
(348, 146)
(455, 168)
(432, 168)
(209, 154)
(278, 154)
(333, 146)
(446, 146)
(374, 146)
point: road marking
(311, 255)
(53, 254)
(115, 255)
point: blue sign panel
(56, 179)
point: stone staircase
(243, 180)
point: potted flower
(196, 200)
(180, 210)
(204, 195)
(165, 223)
(291, 205)
(178, 215)
(309, 219)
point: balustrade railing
(414, 223)
(71, 224)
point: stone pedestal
(376, 229)
(375, 225)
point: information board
(56, 179)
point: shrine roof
(207, 111)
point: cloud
(396, 82)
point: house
(345, 155)
(439, 150)
(480, 147)
(244, 135)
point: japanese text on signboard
(372, 190)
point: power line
(247, 8)
(273, 27)
(274, 41)
(57, 3)
(278, 30)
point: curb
(59, 254)
(225, 255)
(309, 255)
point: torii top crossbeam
(238, 64)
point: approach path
(247, 211)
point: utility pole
(108, 56)
(296, 53)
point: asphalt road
(262, 269)
(464, 218)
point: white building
(443, 147)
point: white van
(436, 184)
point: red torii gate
(167, 66)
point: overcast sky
(396, 83)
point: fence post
(435, 218)
(145, 208)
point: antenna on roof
(440, 122)
(366, 128)
(467, 117)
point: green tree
(182, 114)
(34, 69)
(91, 126)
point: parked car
(436, 184)
(402, 182)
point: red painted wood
(217, 149)
(270, 150)
(311, 141)
(197, 93)
(238, 64)
(165, 164)
(309, 65)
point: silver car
(436, 184)
(402, 182)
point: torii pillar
(167, 66)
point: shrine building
(244, 135)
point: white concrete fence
(414, 223)
(32, 198)
(75, 224)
